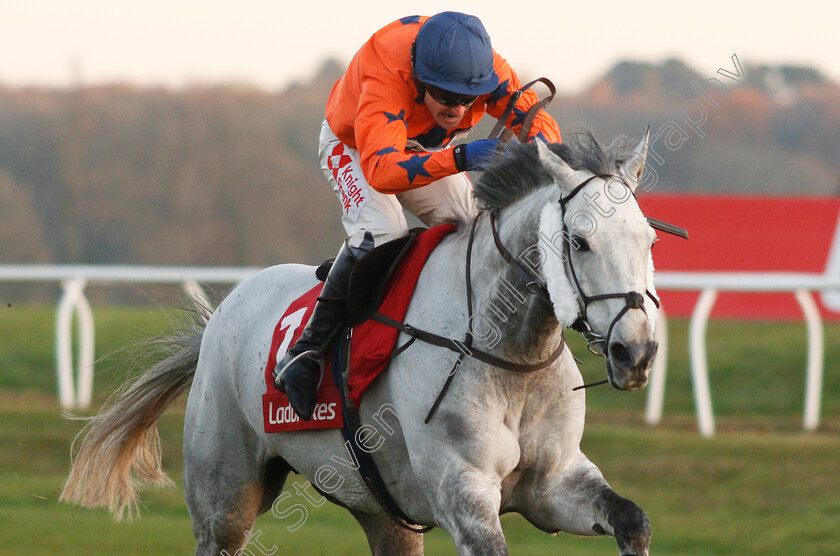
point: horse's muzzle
(628, 365)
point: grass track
(759, 487)
(739, 493)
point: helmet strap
(421, 88)
(419, 85)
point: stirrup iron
(312, 354)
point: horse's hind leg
(386, 537)
(579, 500)
(227, 482)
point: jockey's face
(447, 117)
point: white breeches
(366, 210)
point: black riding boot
(298, 378)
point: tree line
(229, 175)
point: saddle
(381, 283)
(371, 275)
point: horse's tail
(121, 450)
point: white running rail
(74, 279)
(709, 284)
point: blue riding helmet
(452, 51)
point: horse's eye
(580, 244)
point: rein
(465, 348)
(499, 128)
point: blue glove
(475, 155)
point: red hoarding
(748, 233)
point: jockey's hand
(475, 155)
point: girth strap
(366, 465)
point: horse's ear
(562, 173)
(632, 168)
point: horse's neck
(527, 328)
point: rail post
(74, 392)
(656, 389)
(814, 371)
(699, 365)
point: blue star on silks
(386, 150)
(432, 138)
(414, 167)
(518, 116)
(396, 117)
(410, 19)
(499, 92)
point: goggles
(449, 99)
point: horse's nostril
(619, 354)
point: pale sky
(270, 43)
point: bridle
(632, 299)
(536, 285)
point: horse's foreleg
(386, 537)
(466, 505)
(578, 500)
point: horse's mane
(518, 172)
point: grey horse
(500, 441)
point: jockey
(414, 87)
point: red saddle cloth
(370, 349)
(278, 415)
